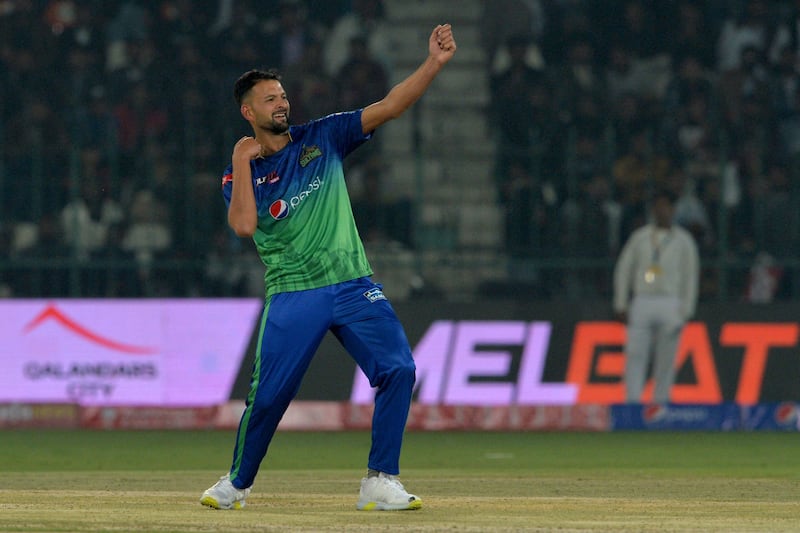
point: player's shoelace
(391, 480)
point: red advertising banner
(121, 417)
(339, 416)
(39, 416)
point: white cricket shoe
(223, 495)
(385, 493)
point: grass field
(77, 481)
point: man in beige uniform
(655, 292)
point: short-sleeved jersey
(306, 235)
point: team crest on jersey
(374, 294)
(308, 154)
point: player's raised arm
(441, 47)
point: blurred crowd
(598, 104)
(116, 120)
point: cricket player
(285, 188)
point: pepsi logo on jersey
(279, 209)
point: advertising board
(123, 352)
(495, 353)
(199, 352)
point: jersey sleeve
(345, 130)
(227, 185)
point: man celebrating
(285, 188)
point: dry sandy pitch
(151, 481)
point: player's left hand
(442, 44)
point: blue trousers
(293, 325)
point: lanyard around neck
(658, 246)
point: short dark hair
(247, 80)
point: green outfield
(76, 481)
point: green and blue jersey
(306, 235)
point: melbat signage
(569, 359)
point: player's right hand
(246, 147)
(441, 44)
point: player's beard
(275, 127)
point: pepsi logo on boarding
(279, 209)
(653, 412)
(786, 414)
